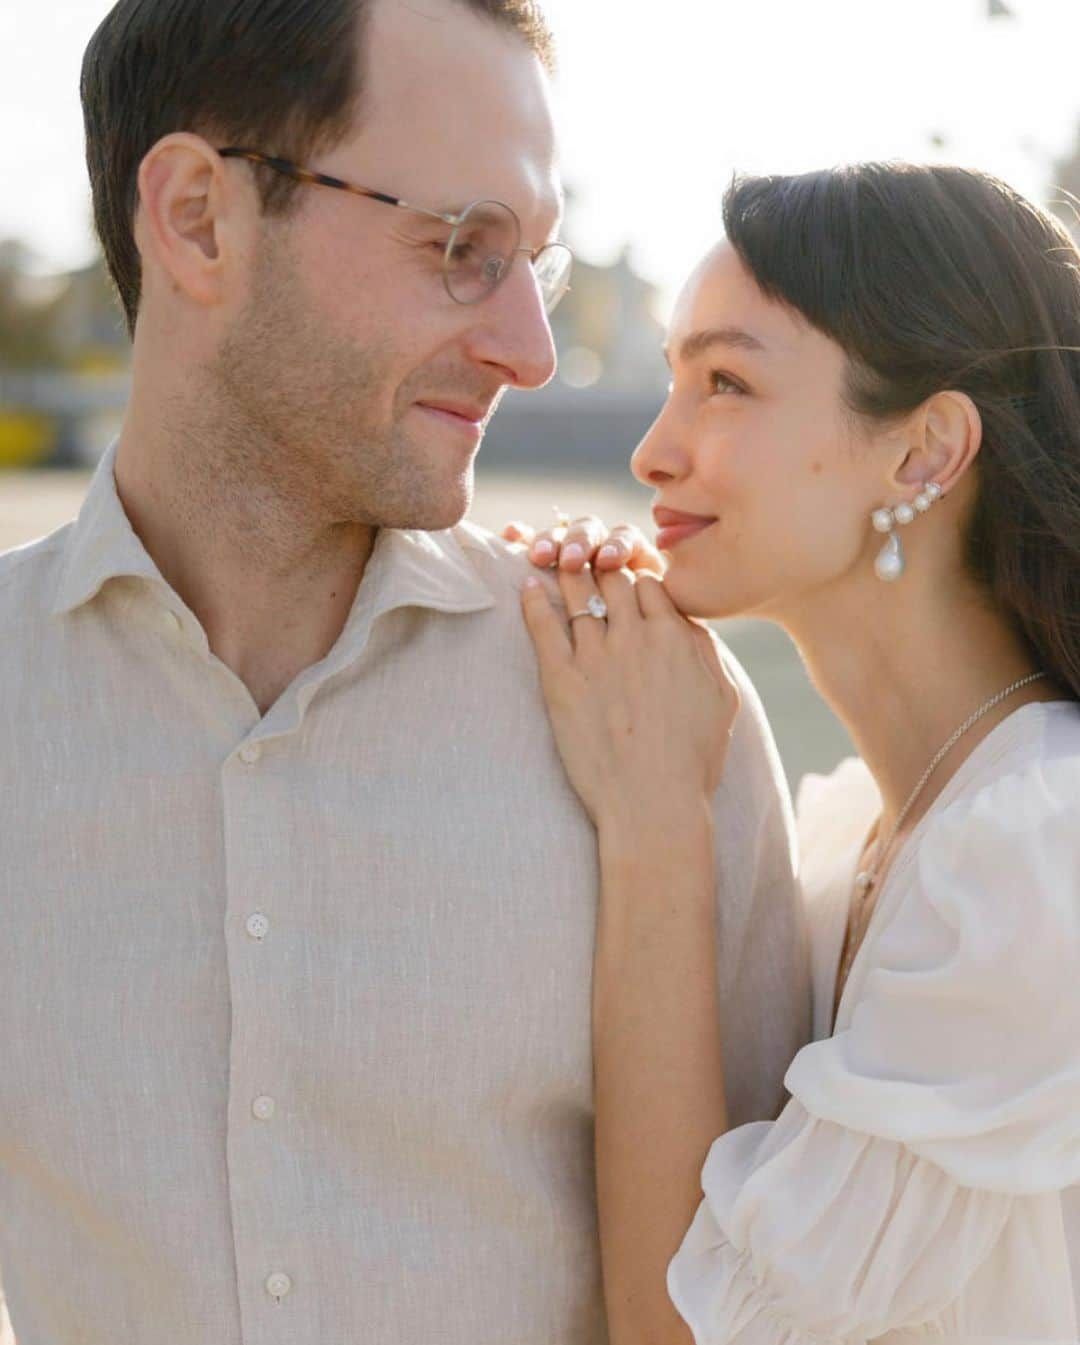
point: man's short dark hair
(280, 74)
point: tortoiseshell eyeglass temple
(317, 179)
(480, 250)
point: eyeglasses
(484, 238)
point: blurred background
(658, 106)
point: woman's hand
(588, 541)
(641, 705)
(642, 709)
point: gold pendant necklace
(866, 880)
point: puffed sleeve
(912, 1181)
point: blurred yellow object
(26, 439)
(94, 360)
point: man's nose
(513, 330)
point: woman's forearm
(657, 1057)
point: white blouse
(924, 1178)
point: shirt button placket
(257, 925)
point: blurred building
(607, 332)
(64, 359)
(87, 323)
(65, 322)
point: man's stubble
(310, 420)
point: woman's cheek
(719, 470)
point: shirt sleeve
(928, 1139)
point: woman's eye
(720, 382)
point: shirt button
(257, 925)
(263, 1108)
(278, 1284)
(250, 754)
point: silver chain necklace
(864, 882)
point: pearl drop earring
(889, 564)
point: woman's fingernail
(532, 582)
(608, 553)
(543, 550)
(573, 553)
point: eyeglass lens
(482, 248)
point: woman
(872, 438)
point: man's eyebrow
(697, 343)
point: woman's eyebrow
(697, 343)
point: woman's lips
(675, 527)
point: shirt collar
(411, 568)
(101, 545)
(407, 568)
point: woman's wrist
(657, 894)
(657, 828)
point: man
(297, 902)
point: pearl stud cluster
(889, 565)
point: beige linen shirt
(296, 1007)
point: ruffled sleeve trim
(716, 1292)
(963, 1039)
(811, 1233)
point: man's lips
(468, 412)
(675, 526)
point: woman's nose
(657, 459)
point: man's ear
(183, 224)
(944, 439)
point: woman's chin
(699, 599)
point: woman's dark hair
(281, 75)
(934, 278)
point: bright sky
(656, 113)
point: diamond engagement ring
(596, 607)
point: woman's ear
(183, 216)
(943, 441)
